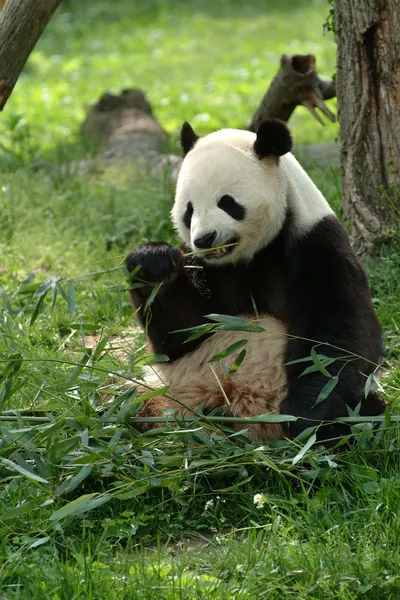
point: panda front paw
(155, 262)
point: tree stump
(128, 131)
(296, 83)
(125, 124)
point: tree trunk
(295, 83)
(21, 24)
(368, 90)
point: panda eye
(187, 217)
(232, 208)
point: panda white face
(228, 195)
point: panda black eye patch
(232, 208)
(187, 217)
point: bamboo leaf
(152, 296)
(77, 371)
(311, 440)
(368, 384)
(237, 362)
(38, 309)
(39, 542)
(226, 319)
(71, 299)
(327, 390)
(53, 294)
(197, 334)
(80, 505)
(43, 288)
(313, 368)
(6, 301)
(13, 365)
(194, 328)
(229, 350)
(23, 508)
(99, 348)
(75, 481)
(150, 359)
(27, 279)
(272, 418)
(120, 399)
(68, 296)
(128, 409)
(5, 391)
(318, 363)
(28, 474)
(153, 393)
(306, 359)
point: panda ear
(273, 139)
(188, 138)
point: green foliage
(329, 24)
(153, 45)
(89, 507)
(81, 489)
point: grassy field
(232, 47)
(88, 507)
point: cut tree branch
(21, 25)
(295, 83)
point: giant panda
(260, 241)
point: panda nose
(205, 241)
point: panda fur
(286, 260)
(258, 386)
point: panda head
(231, 191)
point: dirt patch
(120, 345)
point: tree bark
(21, 24)
(368, 90)
(295, 83)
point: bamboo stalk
(213, 419)
(37, 420)
(255, 420)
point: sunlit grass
(207, 62)
(327, 527)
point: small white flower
(259, 500)
(209, 504)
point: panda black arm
(329, 301)
(177, 303)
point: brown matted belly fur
(257, 387)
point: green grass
(233, 47)
(327, 526)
